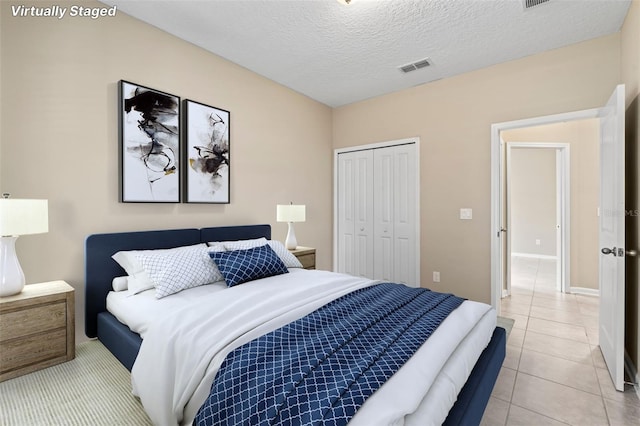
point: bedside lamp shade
(17, 217)
(291, 213)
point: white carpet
(92, 389)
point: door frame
(497, 251)
(378, 145)
(563, 212)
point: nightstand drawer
(33, 320)
(34, 349)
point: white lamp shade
(290, 213)
(23, 217)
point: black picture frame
(149, 137)
(207, 153)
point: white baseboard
(534, 256)
(585, 291)
(632, 372)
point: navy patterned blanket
(320, 369)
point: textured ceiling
(339, 54)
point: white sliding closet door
(377, 230)
(394, 214)
(355, 215)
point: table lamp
(290, 213)
(17, 217)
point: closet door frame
(337, 152)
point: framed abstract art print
(208, 138)
(149, 145)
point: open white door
(612, 214)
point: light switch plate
(466, 214)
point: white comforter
(182, 350)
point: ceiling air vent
(422, 63)
(528, 4)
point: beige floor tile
(566, 317)
(547, 280)
(621, 414)
(503, 389)
(589, 310)
(557, 329)
(519, 297)
(593, 335)
(522, 291)
(547, 265)
(558, 402)
(523, 280)
(519, 416)
(584, 299)
(515, 307)
(563, 348)
(560, 370)
(543, 288)
(629, 395)
(516, 337)
(555, 301)
(561, 376)
(590, 322)
(520, 320)
(598, 359)
(496, 413)
(512, 358)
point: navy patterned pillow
(240, 266)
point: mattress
(430, 380)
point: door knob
(631, 253)
(610, 251)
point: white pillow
(138, 280)
(285, 255)
(169, 270)
(119, 284)
(288, 258)
(244, 244)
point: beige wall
(583, 139)
(630, 73)
(60, 138)
(453, 118)
(533, 201)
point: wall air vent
(422, 63)
(528, 4)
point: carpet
(92, 389)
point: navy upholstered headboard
(230, 233)
(100, 268)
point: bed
(100, 270)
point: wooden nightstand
(306, 256)
(37, 328)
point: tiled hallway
(554, 373)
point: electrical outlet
(537, 242)
(436, 276)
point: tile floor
(554, 373)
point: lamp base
(11, 275)
(291, 243)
